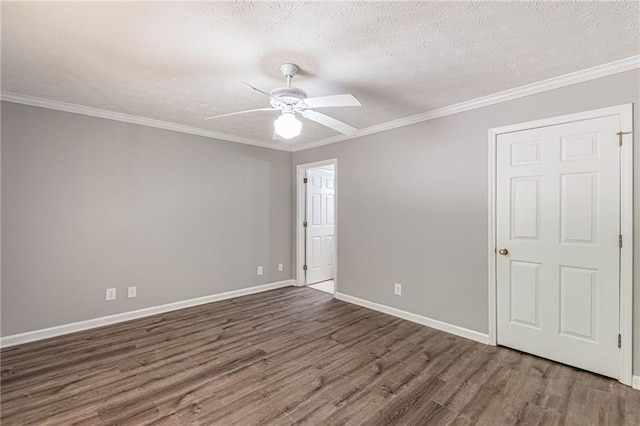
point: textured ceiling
(177, 62)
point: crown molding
(133, 119)
(622, 65)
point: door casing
(300, 210)
(625, 112)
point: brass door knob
(503, 251)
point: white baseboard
(59, 330)
(636, 382)
(438, 325)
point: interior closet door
(558, 213)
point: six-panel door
(557, 204)
(320, 217)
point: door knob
(503, 251)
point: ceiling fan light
(287, 125)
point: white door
(320, 218)
(558, 210)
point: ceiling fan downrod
(289, 70)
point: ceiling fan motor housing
(287, 95)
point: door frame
(625, 112)
(300, 210)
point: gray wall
(412, 204)
(89, 203)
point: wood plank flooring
(294, 356)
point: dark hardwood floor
(290, 356)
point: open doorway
(316, 225)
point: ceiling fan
(291, 101)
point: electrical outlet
(398, 289)
(280, 267)
(260, 270)
(111, 294)
(131, 292)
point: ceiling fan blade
(332, 101)
(241, 112)
(258, 90)
(330, 122)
